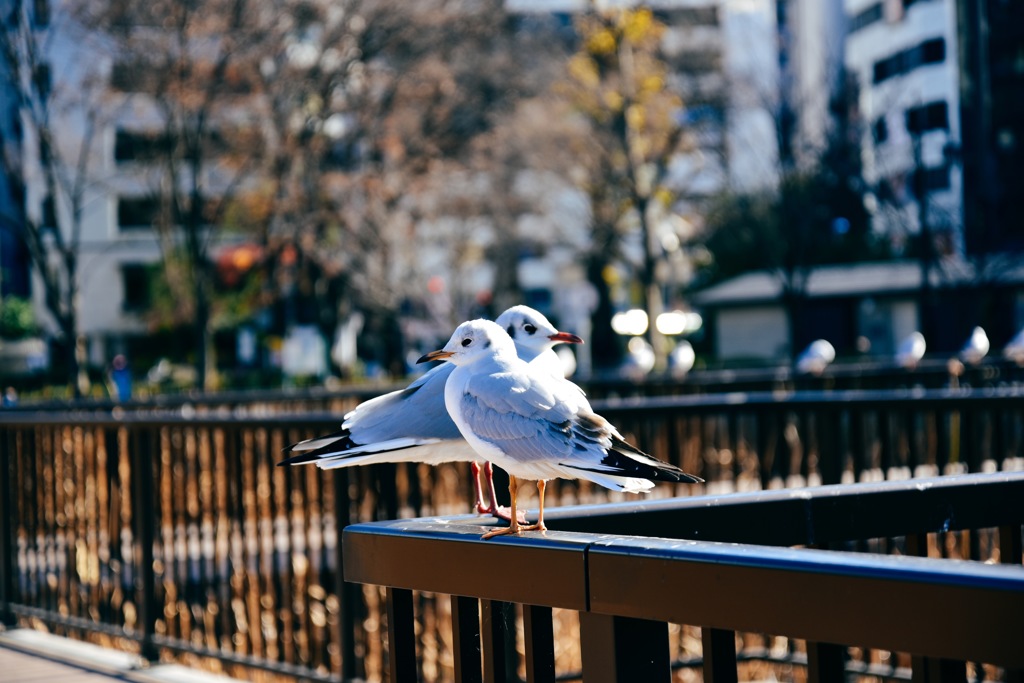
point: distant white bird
(911, 350)
(413, 425)
(534, 425)
(1014, 349)
(639, 360)
(816, 357)
(681, 359)
(976, 347)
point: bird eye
(467, 342)
(530, 329)
(511, 329)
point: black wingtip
(298, 459)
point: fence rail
(171, 531)
(627, 588)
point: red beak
(566, 337)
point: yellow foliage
(637, 24)
(652, 84)
(602, 42)
(663, 196)
(636, 117)
(613, 100)
(583, 70)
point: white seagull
(816, 357)
(412, 424)
(534, 425)
(976, 347)
(1014, 349)
(911, 350)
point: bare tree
(193, 67)
(63, 166)
(618, 80)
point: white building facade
(903, 54)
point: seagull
(412, 424)
(681, 359)
(815, 357)
(976, 347)
(534, 425)
(1014, 349)
(911, 350)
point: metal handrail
(628, 584)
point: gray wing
(527, 416)
(548, 425)
(409, 425)
(416, 411)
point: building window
(42, 80)
(866, 17)
(937, 178)
(929, 52)
(135, 213)
(133, 146)
(49, 212)
(41, 13)
(880, 130)
(932, 116)
(135, 280)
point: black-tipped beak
(566, 337)
(435, 355)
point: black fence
(170, 531)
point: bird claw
(502, 512)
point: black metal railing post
(719, 646)
(401, 635)
(347, 592)
(497, 628)
(466, 639)
(7, 555)
(538, 632)
(620, 649)
(144, 533)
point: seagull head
(532, 333)
(472, 341)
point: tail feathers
(319, 442)
(625, 460)
(616, 483)
(345, 453)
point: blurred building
(904, 55)
(862, 309)
(14, 262)
(811, 34)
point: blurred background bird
(816, 357)
(976, 347)
(911, 350)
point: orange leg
(481, 507)
(513, 528)
(539, 526)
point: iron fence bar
(497, 627)
(144, 537)
(622, 649)
(826, 662)
(401, 635)
(538, 633)
(347, 592)
(719, 648)
(7, 554)
(466, 639)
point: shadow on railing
(694, 561)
